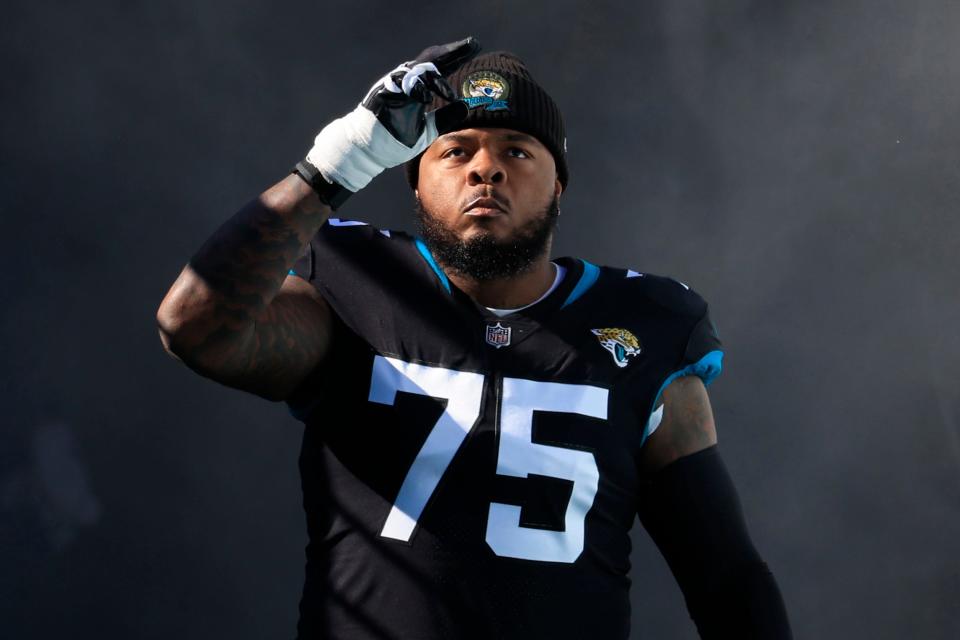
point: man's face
(487, 200)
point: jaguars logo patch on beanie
(485, 89)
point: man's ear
(557, 187)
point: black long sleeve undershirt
(692, 512)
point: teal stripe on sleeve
(706, 368)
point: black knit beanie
(500, 92)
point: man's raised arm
(233, 314)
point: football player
(483, 424)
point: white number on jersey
(518, 455)
(462, 392)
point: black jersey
(473, 476)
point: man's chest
(470, 433)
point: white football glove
(390, 126)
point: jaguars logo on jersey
(620, 343)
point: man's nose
(486, 168)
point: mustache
(491, 193)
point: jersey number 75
(517, 456)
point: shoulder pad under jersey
(666, 292)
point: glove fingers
(449, 57)
(392, 82)
(413, 83)
(439, 86)
(420, 92)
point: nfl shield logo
(498, 335)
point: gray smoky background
(797, 163)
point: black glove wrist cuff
(331, 194)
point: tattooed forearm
(225, 315)
(246, 260)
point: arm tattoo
(691, 416)
(231, 290)
(687, 425)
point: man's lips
(485, 206)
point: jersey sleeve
(701, 357)
(336, 240)
(362, 271)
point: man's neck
(511, 292)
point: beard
(484, 257)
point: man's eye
(517, 152)
(453, 152)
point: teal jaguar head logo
(621, 344)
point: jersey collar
(580, 277)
